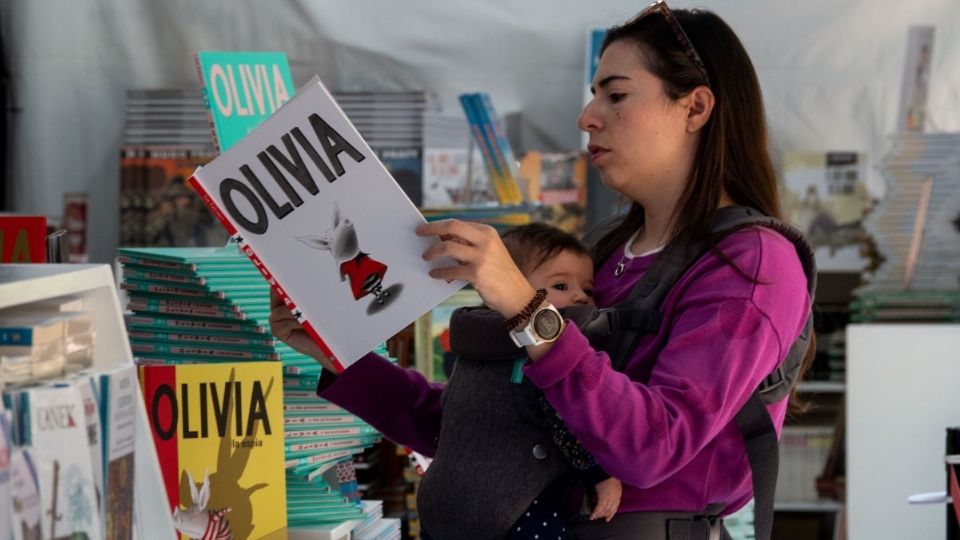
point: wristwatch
(544, 326)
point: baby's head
(552, 259)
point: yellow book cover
(218, 429)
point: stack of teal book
(210, 305)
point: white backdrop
(831, 69)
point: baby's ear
(316, 242)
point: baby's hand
(608, 499)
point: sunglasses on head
(662, 8)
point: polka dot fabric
(540, 522)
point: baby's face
(567, 277)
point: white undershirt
(627, 254)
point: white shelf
(94, 283)
(821, 387)
(823, 505)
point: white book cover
(91, 414)
(118, 408)
(312, 206)
(57, 433)
(26, 495)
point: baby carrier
(618, 329)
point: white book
(91, 413)
(57, 432)
(26, 495)
(312, 206)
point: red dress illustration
(365, 274)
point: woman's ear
(699, 104)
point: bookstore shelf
(26, 283)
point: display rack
(26, 283)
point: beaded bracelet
(513, 322)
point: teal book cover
(242, 89)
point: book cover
(54, 426)
(825, 195)
(119, 400)
(26, 495)
(94, 431)
(218, 430)
(406, 167)
(172, 213)
(241, 89)
(434, 358)
(326, 224)
(23, 239)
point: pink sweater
(665, 426)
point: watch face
(547, 324)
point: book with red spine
(308, 201)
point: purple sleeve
(398, 402)
(722, 337)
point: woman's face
(638, 135)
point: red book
(23, 239)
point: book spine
(205, 93)
(155, 263)
(162, 276)
(132, 320)
(19, 337)
(311, 331)
(502, 153)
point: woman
(677, 126)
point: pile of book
(40, 341)
(211, 306)
(374, 526)
(392, 123)
(917, 232)
(166, 137)
(55, 403)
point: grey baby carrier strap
(617, 330)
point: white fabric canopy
(831, 70)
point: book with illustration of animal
(52, 422)
(218, 430)
(326, 224)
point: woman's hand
(608, 499)
(285, 327)
(484, 262)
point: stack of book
(38, 345)
(211, 305)
(917, 232)
(166, 137)
(392, 123)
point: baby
(555, 260)
(494, 419)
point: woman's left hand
(484, 262)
